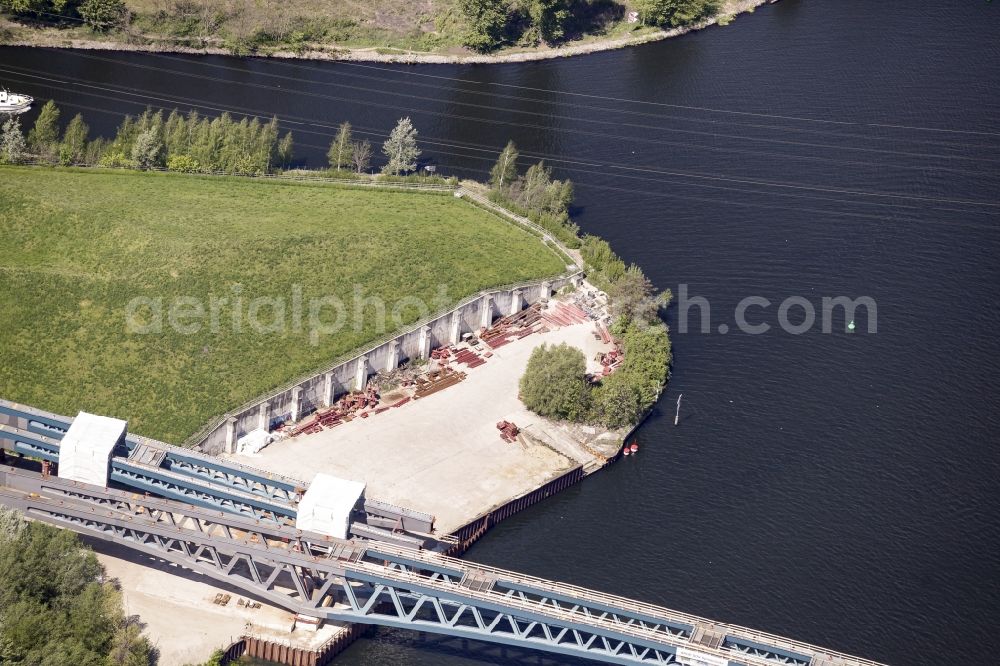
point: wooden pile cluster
(611, 361)
(602, 333)
(469, 357)
(513, 327)
(341, 411)
(566, 314)
(508, 431)
(465, 355)
(437, 381)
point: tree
(285, 148)
(11, 523)
(341, 148)
(675, 13)
(555, 383)
(549, 17)
(128, 646)
(44, 136)
(103, 15)
(13, 148)
(74, 143)
(487, 23)
(361, 152)
(44, 9)
(401, 148)
(505, 170)
(147, 151)
(616, 403)
(539, 193)
(54, 609)
(633, 297)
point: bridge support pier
(361, 373)
(264, 416)
(231, 435)
(515, 301)
(392, 360)
(424, 343)
(328, 393)
(485, 312)
(455, 327)
(296, 403)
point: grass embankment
(80, 245)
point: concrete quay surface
(443, 454)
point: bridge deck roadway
(317, 575)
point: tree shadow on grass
(592, 17)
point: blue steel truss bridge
(235, 529)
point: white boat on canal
(14, 103)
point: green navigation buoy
(850, 326)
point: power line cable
(622, 167)
(714, 135)
(623, 99)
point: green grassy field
(79, 245)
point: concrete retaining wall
(322, 389)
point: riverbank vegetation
(551, 385)
(193, 143)
(534, 194)
(81, 244)
(56, 606)
(433, 26)
(186, 143)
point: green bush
(103, 15)
(116, 160)
(555, 383)
(183, 164)
(675, 13)
(624, 396)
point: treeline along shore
(443, 31)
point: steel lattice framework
(390, 585)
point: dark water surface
(839, 489)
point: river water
(836, 488)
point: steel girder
(214, 471)
(182, 461)
(192, 490)
(378, 583)
(338, 587)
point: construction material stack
(513, 327)
(508, 431)
(437, 380)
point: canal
(839, 488)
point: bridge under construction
(241, 527)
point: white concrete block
(327, 505)
(85, 450)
